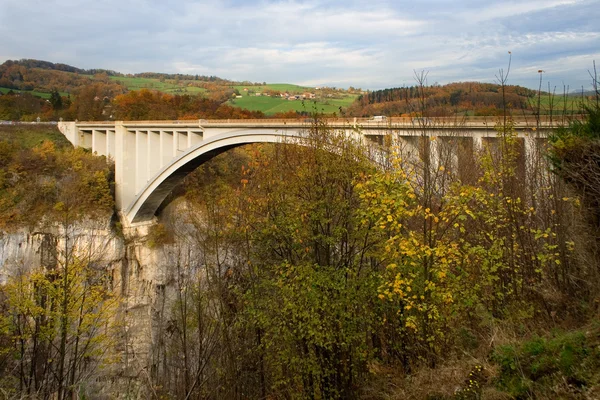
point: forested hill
(44, 76)
(47, 65)
(462, 97)
(31, 63)
(31, 89)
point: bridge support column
(99, 142)
(435, 144)
(141, 158)
(153, 158)
(408, 149)
(124, 166)
(175, 144)
(86, 139)
(467, 168)
(537, 169)
(194, 138)
(166, 147)
(455, 154)
(110, 143)
(477, 144)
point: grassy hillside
(43, 95)
(281, 87)
(28, 136)
(272, 105)
(166, 86)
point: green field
(272, 105)
(166, 86)
(31, 92)
(282, 87)
(574, 103)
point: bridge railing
(528, 120)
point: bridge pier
(125, 165)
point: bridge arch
(150, 198)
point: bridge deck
(520, 122)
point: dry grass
(442, 382)
(450, 379)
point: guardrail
(28, 122)
(531, 119)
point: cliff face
(19, 250)
(140, 274)
(25, 250)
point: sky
(370, 44)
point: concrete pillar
(110, 143)
(467, 168)
(408, 148)
(434, 152)
(521, 160)
(477, 143)
(535, 149)
(175, 144)
(153, 153)
(85, 139)
(182, 142)
(447, 153)
(166, 148)
(195, 138)
(141, 165)
(99, 142)
(125, 165)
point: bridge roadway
(152, 157)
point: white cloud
(351, 42)
(503, 9)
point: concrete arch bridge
(152, 157)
